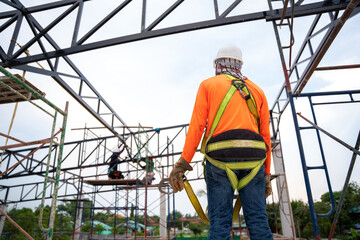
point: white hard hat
(229, 51)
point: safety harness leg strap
(230, 166)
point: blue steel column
(324, 167)
(304, 167)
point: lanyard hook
(165, 183)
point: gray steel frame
(11, 59)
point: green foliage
(351, 200)
(302, 219)
(69, 209)
(178, 215)
(28, 219)
(196, 228)
(155, 218)
(86, 227)
(23, 217)
(273, 216)
(99, 228)
(118, 230)
(101, 217)
(354, 234)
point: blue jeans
(220, 204)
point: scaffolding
(126, 193)
(16, 89)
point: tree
(23, 217)
(196, 228)
(69, 208)
(351, 200)
(272, 212)
(301, 214)
(302, 219)
(155, 218)
(101, 217)
(86, 227)
(99, 228)
(119, 230)
(62, 223)
(324, 223)
(29, 221)
(178, 215)
(110, 220)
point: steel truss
(44, 47)
(297, 71)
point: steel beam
(299, 11)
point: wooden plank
(126, 183)
(8, 96)
(113, 182)
(23, 144)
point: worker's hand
(177, 174)
(268, 187)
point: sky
(154, 82)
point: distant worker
(149, 177)
(149, 173)
(236, 147)
(113, 172)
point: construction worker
(247, 159)
(113, 172)
(150, 175)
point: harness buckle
(237, 83)
(240, 85)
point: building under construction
(60, 130)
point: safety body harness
(241, 144)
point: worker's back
(237, 114)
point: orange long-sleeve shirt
(236, 116)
